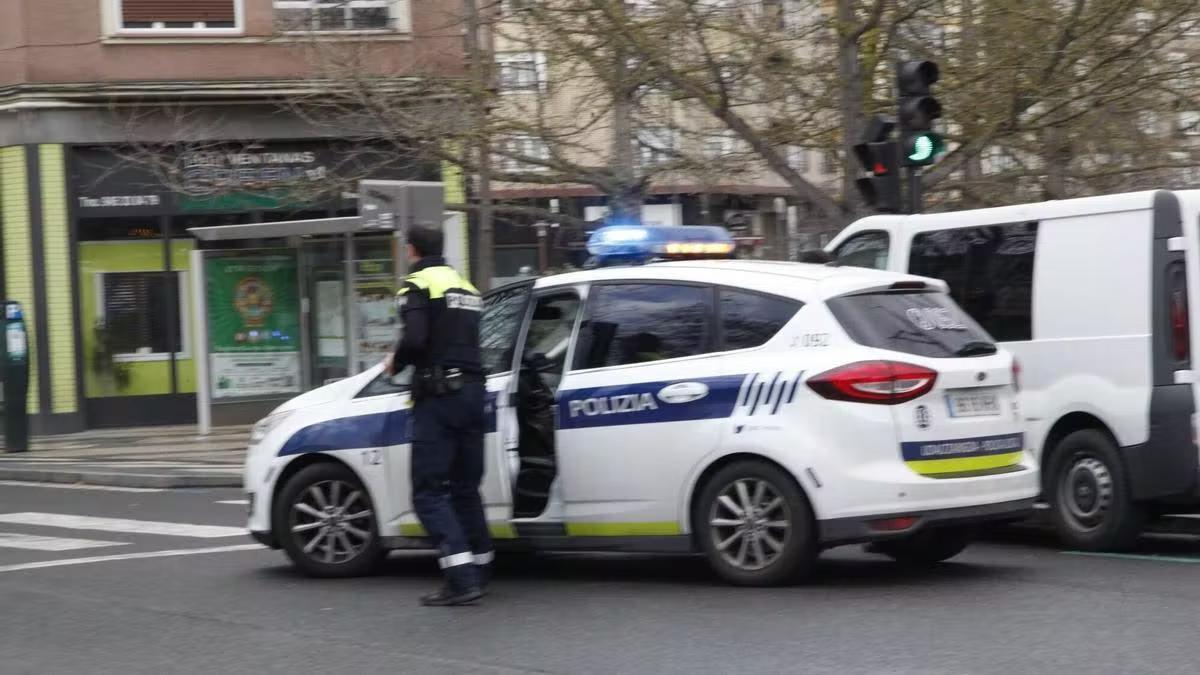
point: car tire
(1091, 504)
(927, 547)
(776, 545)
(325, 522)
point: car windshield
(922, 323)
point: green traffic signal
(923, 148)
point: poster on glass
(254, 326)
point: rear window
(922, 323)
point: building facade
(126, 123)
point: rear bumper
(858, 529)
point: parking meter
(16, 379)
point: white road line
(129, 556)
(33, 542)
(120, 464)
(27, 458)
(71, 486)
(72, 522)
(242, 502)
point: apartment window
(1143, 21)
(338, 15)
(521, 71)
(998, 160)
(656, 146)
(797, 158)
(137, 310)
(514, 6)
(516, 151)
(178, 16)
(720, 144)
(1189, 123)
(830, 165)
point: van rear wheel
(755, 525)
(1090, 501)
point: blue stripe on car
(979, 446)
(638, 403)
(374, 430)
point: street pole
(543, 254)
(479, 72)
(914, 189)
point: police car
(755, 412)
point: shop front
(276, 305)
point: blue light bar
(617, 244)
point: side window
(750, 319)
(989, 270)
(640, 323)
(549, 336)
(869, 249)
(502, 314)
(1178, 316)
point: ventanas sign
(208, 173)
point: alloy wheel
(750, 523)
(331, 521)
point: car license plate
(973, 404)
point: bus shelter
(284, 307)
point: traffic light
(880, 158)
(916, 111)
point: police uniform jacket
(440, 312)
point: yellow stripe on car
(665, 528)
(933, 467)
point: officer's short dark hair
(816, 256)
(426, 240)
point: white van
(1091, 295)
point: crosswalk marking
(76, 486)
(130, 556)
(121, 525)
(33, 542)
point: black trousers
(447, 469)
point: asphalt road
(184, 595)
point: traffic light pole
(914, 189)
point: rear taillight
(1180, 335)
(885, 382)
(1016, 372)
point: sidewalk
(144, 457)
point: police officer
(440, 339)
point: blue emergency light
(631, 244)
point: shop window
(119, 229)
(193, 16)
(514, 263)
(137, 311)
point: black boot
(483, 574)
(448, 596)
(461, 588)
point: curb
(133, 480)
